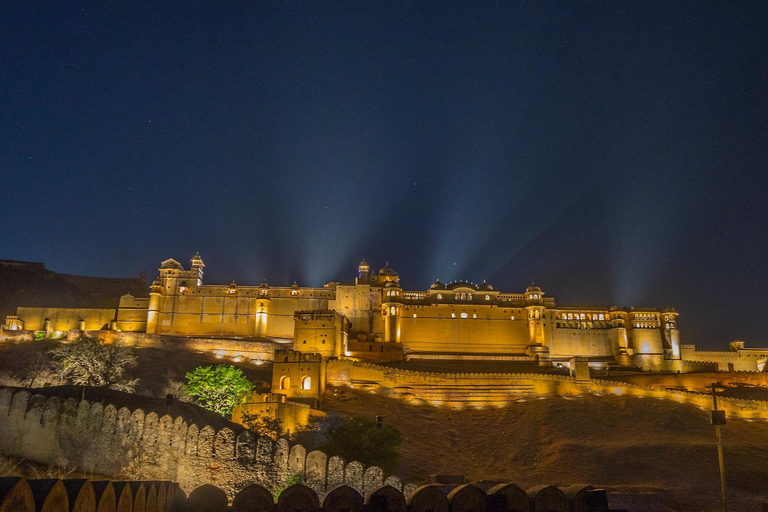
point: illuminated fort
(373, 318)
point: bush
(355, 438)
(88, 362)
(218, 388)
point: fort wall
(102, 439)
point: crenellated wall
(22, 495)
(131, 443)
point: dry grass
(616, 442)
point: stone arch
(246, 446)
(151, 503)
(353, 476)
(514, 497)
(190, 447)
(207, 497)
(16, 496)
(282, 452)
(225, 444)
(104, 493)
(109, 419)
(51, 411)
(263, 451)
(139, 493)
(19, 403)
(548, 498)
(81, 495)
(96, 416)
(298, 498)
(467, 498)
(123, 422)
(585, 498)
(427, 498)
(253, 498)
(35, 408)
(136, 427)
(162, 496)
(124, 496)
(297, 460)
(386, 499)
(165, 431)
(316, 464)
(150, 428)
(343, 499)
(6, 395)
(335, 471)
(373, 478)
(205, 441)
(284, 383)
(50, 495)
(394, 482)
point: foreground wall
(22, 495)
(129, 443)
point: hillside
(618, 442)
(25, 283)
(612, 441)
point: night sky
(612, 152)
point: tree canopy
(218, 388)
(357, 438)
(89, 362)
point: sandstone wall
(102, 439)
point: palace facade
(373, 318)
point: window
(453, 315)
(512, 317)
(414, 315)
(474, 315)
(487, 297)
(304, 342)
(439, 295)
(392, 310)
(294, 292)
(285, 382)
(463, 315)
(306, 383)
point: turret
(390, 308)
(534, 299)
(363, 270)
(197, 268)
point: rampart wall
(485, 389)
(102, 439)
(22, 495)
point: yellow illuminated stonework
(373, 318)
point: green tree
(89, 362)
(218, 388)
(356, 438)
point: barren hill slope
(611, 441)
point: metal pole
(720, 452)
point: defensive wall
(497, 389)
(22, 495)
(102, 439)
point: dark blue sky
(613, 152)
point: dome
(264, 284)
(437, 285)
(533, 288)
(387, 271)
(485, 287)
(363, 266)
(391, 284)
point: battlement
(106, 440)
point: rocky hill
(24, 283)
(613, 441)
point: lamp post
(718, 419)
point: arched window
(285, 382)
(392, 310)
(463, 315)
(306, 383)
(439, 295)
(487, 297)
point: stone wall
(22, 495)
(484, 389)
(102, 439)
